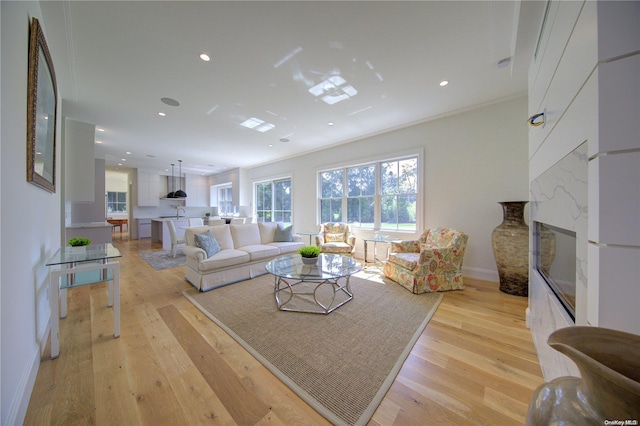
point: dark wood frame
(42, 103)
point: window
(381, 195)
(361, 187)
(116, 202)
(273, 201)
(399, 194)
(225, 200)
(331, 198)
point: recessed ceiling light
(444, 83)
(162, 114)
(205, 57)
(128, 152)
(270, 145)
(123, 159)
(99, 129)
(170, 102)
(503, 63)
(98, 141)
(119, 164)
(330, 123)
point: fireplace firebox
(555, 260)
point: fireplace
(555, 260)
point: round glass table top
(328, 266)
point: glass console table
(320, 288)
(72, 267)
(375, 240)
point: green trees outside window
(381, 195)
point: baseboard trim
(481, 274)
(20, 403)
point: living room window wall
(273, 201)
(380, 196)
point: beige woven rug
(343, 363)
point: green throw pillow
(208, 243)
(283, 235)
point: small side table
(94, 265)
(375, 241)
(309, 234)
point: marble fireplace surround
(559, 197)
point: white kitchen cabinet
(197, 191)
(148, 189)
(144, 228)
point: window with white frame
(381, 195)
(225, 200)
(273, 201)
(116, 202)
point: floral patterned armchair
(336, 238)
(431, 263)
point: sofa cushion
(207, 242)
(283, 235)
(223, 259)
(267, 231)
(337, 248)
(406, 260)
(287, 247)
(333, 237)
(245, 235)
(221, 233)
(260, 251)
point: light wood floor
(474, 364)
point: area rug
(343, 363)
(163, 259)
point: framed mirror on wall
(42, 102)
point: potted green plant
(309, 254)
(78, 244)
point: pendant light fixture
(171, 194)
(180, 193)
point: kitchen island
(160, 231)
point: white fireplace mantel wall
(584, 76)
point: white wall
(30, 224)
(472, 160)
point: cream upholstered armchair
(431, 263)
(336, 238)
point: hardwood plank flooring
(475, 363)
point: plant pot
(77, 249)
(609, 388)
(310, 260)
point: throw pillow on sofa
(207, 242)
(283, 235)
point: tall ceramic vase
(609, 389)
(510, 242)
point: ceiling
(365, 67)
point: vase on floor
(510, 242)
(608, 389)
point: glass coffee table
(320, 288)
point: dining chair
(216, 222)
(238, 221)
(196, 221)
(174, 238)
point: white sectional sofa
(245, 250)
